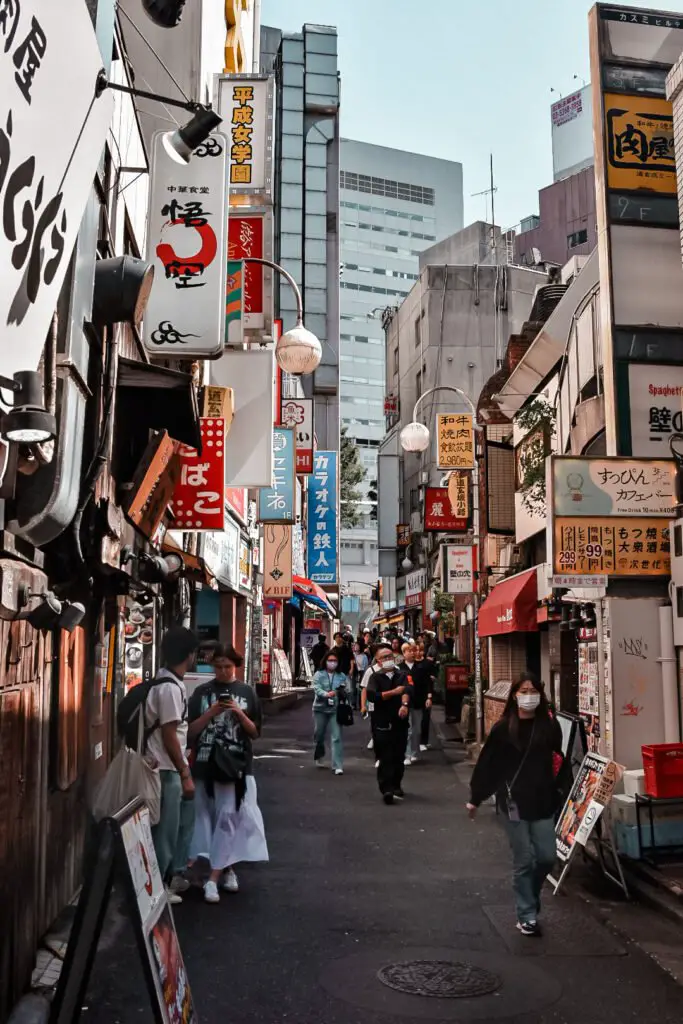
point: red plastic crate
(663, 764)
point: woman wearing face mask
(517, 764)
(359, 668)
(327, 683)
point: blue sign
(321, 554)
(276, 504)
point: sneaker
(370, 745)
(230, 883)
(399, 794)
(376, 764)
(529, 928)
(173, 897)
(211, 894)
(408, 761)
(338, 771)
(414, 759)
(179, 884)
(424, 746)
(388, 798)
(320, 763)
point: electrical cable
(153, 51)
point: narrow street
(354, 886)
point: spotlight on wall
(122, 287)
(164, 13)
(28, 422)
(50, 612)
(181, 144)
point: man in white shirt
(166, 715)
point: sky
(458, 79)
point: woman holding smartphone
(225, 718)
(517, 763)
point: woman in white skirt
(225, 717)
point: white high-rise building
(393, 205)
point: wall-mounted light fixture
(28, 422)
(50, 612)
(121, 293)
(164, 13)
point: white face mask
(528, 701)
(388, 666)
(331, 666)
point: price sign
(612, 547)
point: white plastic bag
(129, 776)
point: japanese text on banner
(322, 519)
(455, 441)
(199, 497)
(276, 503)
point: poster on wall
(139, 632)
(589, 709)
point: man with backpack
(166, 727)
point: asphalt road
(355, 888)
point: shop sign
(220, 551)
(591, 792)
(245, 102)
(219, 403)
(458, 495)
(276, 504)
(457, 677)
(612, 547)
(584, 582)
(277, 561)
(297, 414)
(655, 396)
(391, 405)
(322, 539)
(236, 498)
(458, 563)
(454, 441)
(613, 487)
(154, 484)
(439, 517)
(52, 129)
(416, 582)
(567, 109)
(640, 143)
(403, 535)
(187, 245)
(244, 301)
(298, 553)
(245, 566)
(199, 497)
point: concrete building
(566, 225)
(393, 205)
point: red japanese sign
(245, 238)
(199, 497)
(236, 498)
(457, 677)
(439, 516)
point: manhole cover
(441, 979)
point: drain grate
(441, 979)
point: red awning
(307, 588)
(511, 606)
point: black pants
(390, 750)
(424, 731)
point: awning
(313, 594)
(511, 606)
(158, 399)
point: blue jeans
(323, 722)
(173, 833)
(533, 856)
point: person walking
(327, 684)
(365, 705)
(358, 670)
(396, 650)
(390, 694)
(225, 719)
(166, 719)
(342, 652)
(418, 672)
(318, 651)
(428, 668)
(517, 764)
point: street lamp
(415, 437)
(298, 350)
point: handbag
(344, 710)
(127, 777)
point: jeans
(424, 727)
(173, 833)
(533, 857)
(415, 732)
(390, 748)
(324, 721)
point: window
(396, 360)
(418, 383)
(380, 270)
(386, 187)
(577, 238)
(388, 213)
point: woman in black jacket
(517, 763)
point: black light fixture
(164, 13)
(575, 621)
(50, 612)
(122, 287)
(181, 144)
(564, 621)
(28, 422)
(589, 619)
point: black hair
(338, 634)
(511, 711)
(321, 636)
(177, 644)
(229, 652)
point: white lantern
(406, 564)
(298, 351)
(415, 437)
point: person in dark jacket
(389, 694)
(422, 680)
(342, 652)
(429, 669)
(517, 764)
(319, 651)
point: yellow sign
(455, 441)
(612, 547)
(241, 131)
(640, 143)
(458, 495)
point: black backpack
(131, 707)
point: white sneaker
(423, 747)
(407, 762)
(211, 894)
(338, 771)
(414, 759)
(320, 764)
(230, 883)
(173, 897)
(370, 745)
(376, 764)
(179, 884)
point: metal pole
(288, 276)
(602, 697)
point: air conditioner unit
(676, 586)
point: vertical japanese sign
(246, 104)
(199, 497)
(297, 413)
(276, 504)
(244, 302)
(187, 245)
(322, 519)
(277, 561)
(458, 564)
(455, 441)
(458, 495)
(52, 129)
